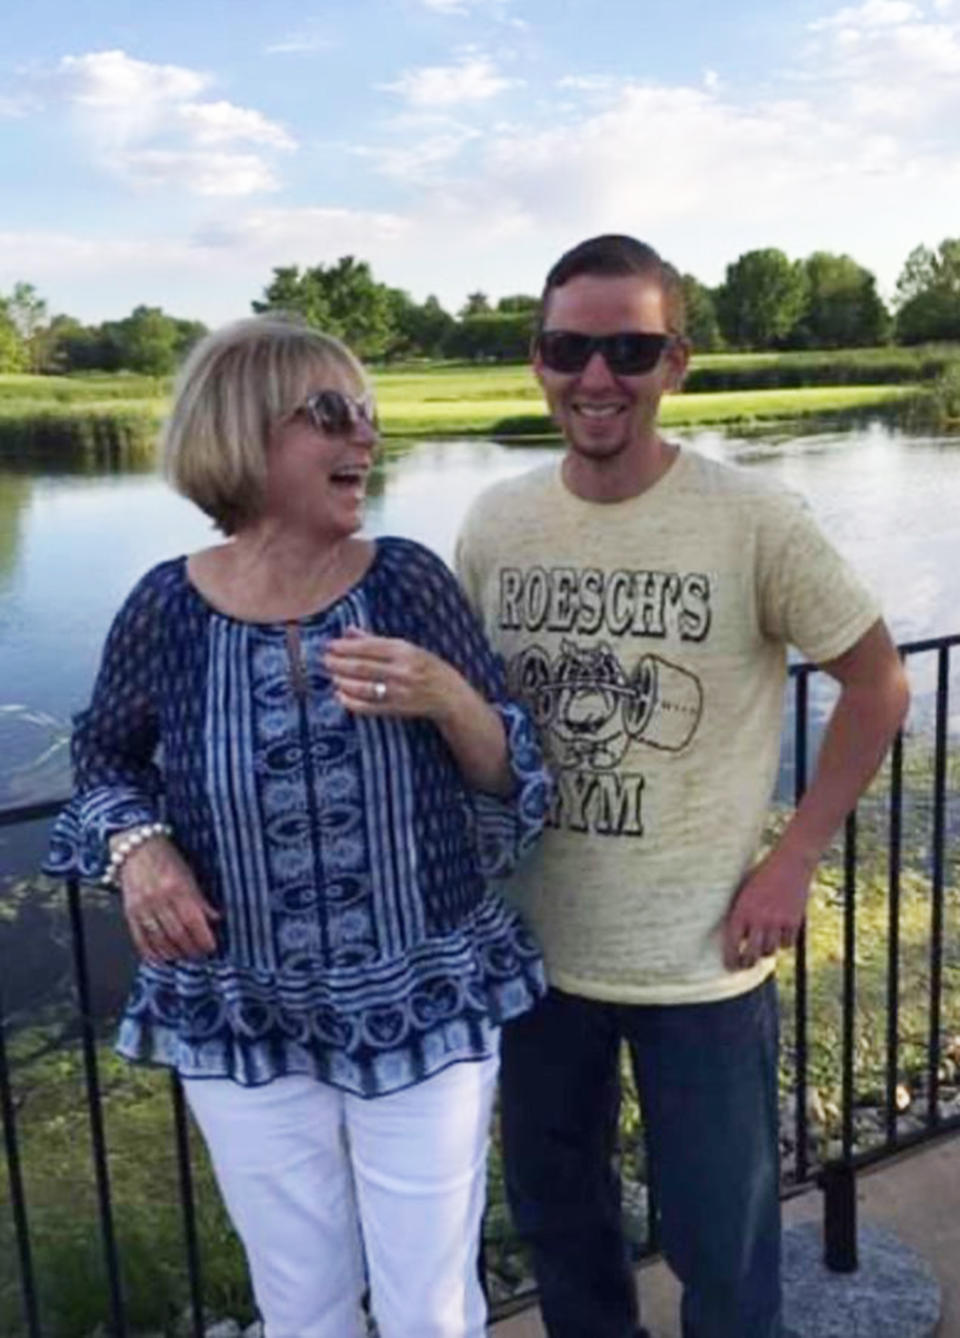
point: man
(644, 598)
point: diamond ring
(150, 924)
(379, 690)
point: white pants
(314, 1179)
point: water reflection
(15, 492)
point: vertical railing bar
(849, 981)
(95, 1111)
(18, 1201)
(188, 1204)
(653, 1226)
(800, 955)
(893, 938)
(936, 885)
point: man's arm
(769, 907)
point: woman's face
(316, 475)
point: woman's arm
(117, 784)
(117, 790)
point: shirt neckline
(655, 493)
(305, 620)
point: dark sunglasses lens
(629, 354)
(331, 411)
(564, 350)
(632, 354)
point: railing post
(17, 1200)
(185, 1172)
(97, 1136)
(801, 707)
(839, 1183)
(937, 885)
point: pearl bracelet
(127, 844)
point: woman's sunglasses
(628, 354)
(337, 413)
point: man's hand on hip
(768, 909)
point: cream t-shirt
(649, 637)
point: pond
(71, 545)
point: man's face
(602, 414)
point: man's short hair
(614, 255)
(236, 386)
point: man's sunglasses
(337, 413)
(628, 354)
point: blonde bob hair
(235, 387)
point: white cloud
(224, 123)
(147, 124)
(300, 42)
(208, 173)
(212, 275)
(50, 253)
(473, 79)
(872, 14)
(416, 163)
(897, 69)
(115, 81)
(495, 9)
(304, 232)
(589, 83)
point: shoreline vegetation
(113, 419)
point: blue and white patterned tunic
(359, 942)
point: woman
(298, 767)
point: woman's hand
(166, 912)
(381, 675)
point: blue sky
(173, 153)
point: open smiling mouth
(599, 412)
(353, 477)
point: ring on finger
(379, 690)
(150, 924)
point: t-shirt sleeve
(809, 596)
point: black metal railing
(836, 1174)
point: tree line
(766, 301)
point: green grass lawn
(443, 400)
(518, 409)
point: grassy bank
(524, 417)
(113, 418)
(108, 432)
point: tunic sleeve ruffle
(117, 784)
(78, 842)
(507, 828)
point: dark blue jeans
(707, 1078)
